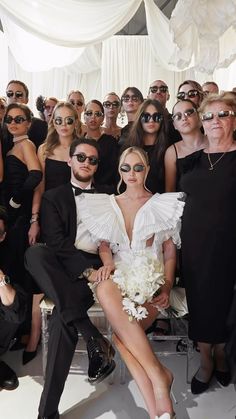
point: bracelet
(14, 204)
(4, 280)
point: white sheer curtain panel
(71, 23)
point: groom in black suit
(62, 272)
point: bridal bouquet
(138, 279)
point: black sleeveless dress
(56, 173)
(208, 243)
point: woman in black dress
(149, 133)
(208, 238)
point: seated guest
(61, 271)
(45, 106)
(210, 87)
(12, 309)
(111, 106)
(131, 99)
(158, 90)
(18, 92)
(107, 169)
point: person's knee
(35, 252)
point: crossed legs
(152, 378)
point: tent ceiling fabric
(199, 34)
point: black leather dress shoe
(101, 362)
(8, 378)
(53, 416)
(223, 377)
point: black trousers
(72, 300)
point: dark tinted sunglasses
(190, 94)
(161, 89)
(114, 104)
(17, 94)
(136, 168)
(133, 98)
(18, 119)
(69, 120)
(208, 116)
(76, 102)
(97, 114)
(81, 157)
(156, 117)
(178, 115)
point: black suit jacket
(58, 228)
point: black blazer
(58, 229)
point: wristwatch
(4, 280)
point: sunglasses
(68, 120)
(114, 104)
(133, 98)
(208, 116)
(156, 117)
(190, 94)
(136, 168)
(17, 94)
(97, 114)
(2, 107)
(161, 89)
(76, 102)
(18, 119)
(179, 115)
(81, 157)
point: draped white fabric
(71, 23)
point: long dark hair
(137, 133)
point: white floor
(80, 400)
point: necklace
(20, 138)
(217, 161)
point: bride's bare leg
(139, 375)
(134, 339)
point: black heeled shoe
(223, 377)
(198, 387)
(28, 356)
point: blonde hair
(225, 98)
(143, 157)
(52, 139)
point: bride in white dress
(135, 230)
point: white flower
(138, 278)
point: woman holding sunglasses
(76, 98)
(22, 175)
(107, 169)
(111, 107)
(190, 89)
(141, 227)
(187, 121)
(149, 132)
(208, 239)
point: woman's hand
(33, 233)
(104, 272)
(162, 300)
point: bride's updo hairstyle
(143, 157)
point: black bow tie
(79, 191)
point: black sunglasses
(156, 117)
(18, 119)
(190, 94)
(161, 89)
(114, 104)
(97, 114)
(136, 168)
(76, 102)
(133, 98)
(17, 94)
(81, 157)
(68, 120)
(208, 116)
(178, 115)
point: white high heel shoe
(167, 416)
